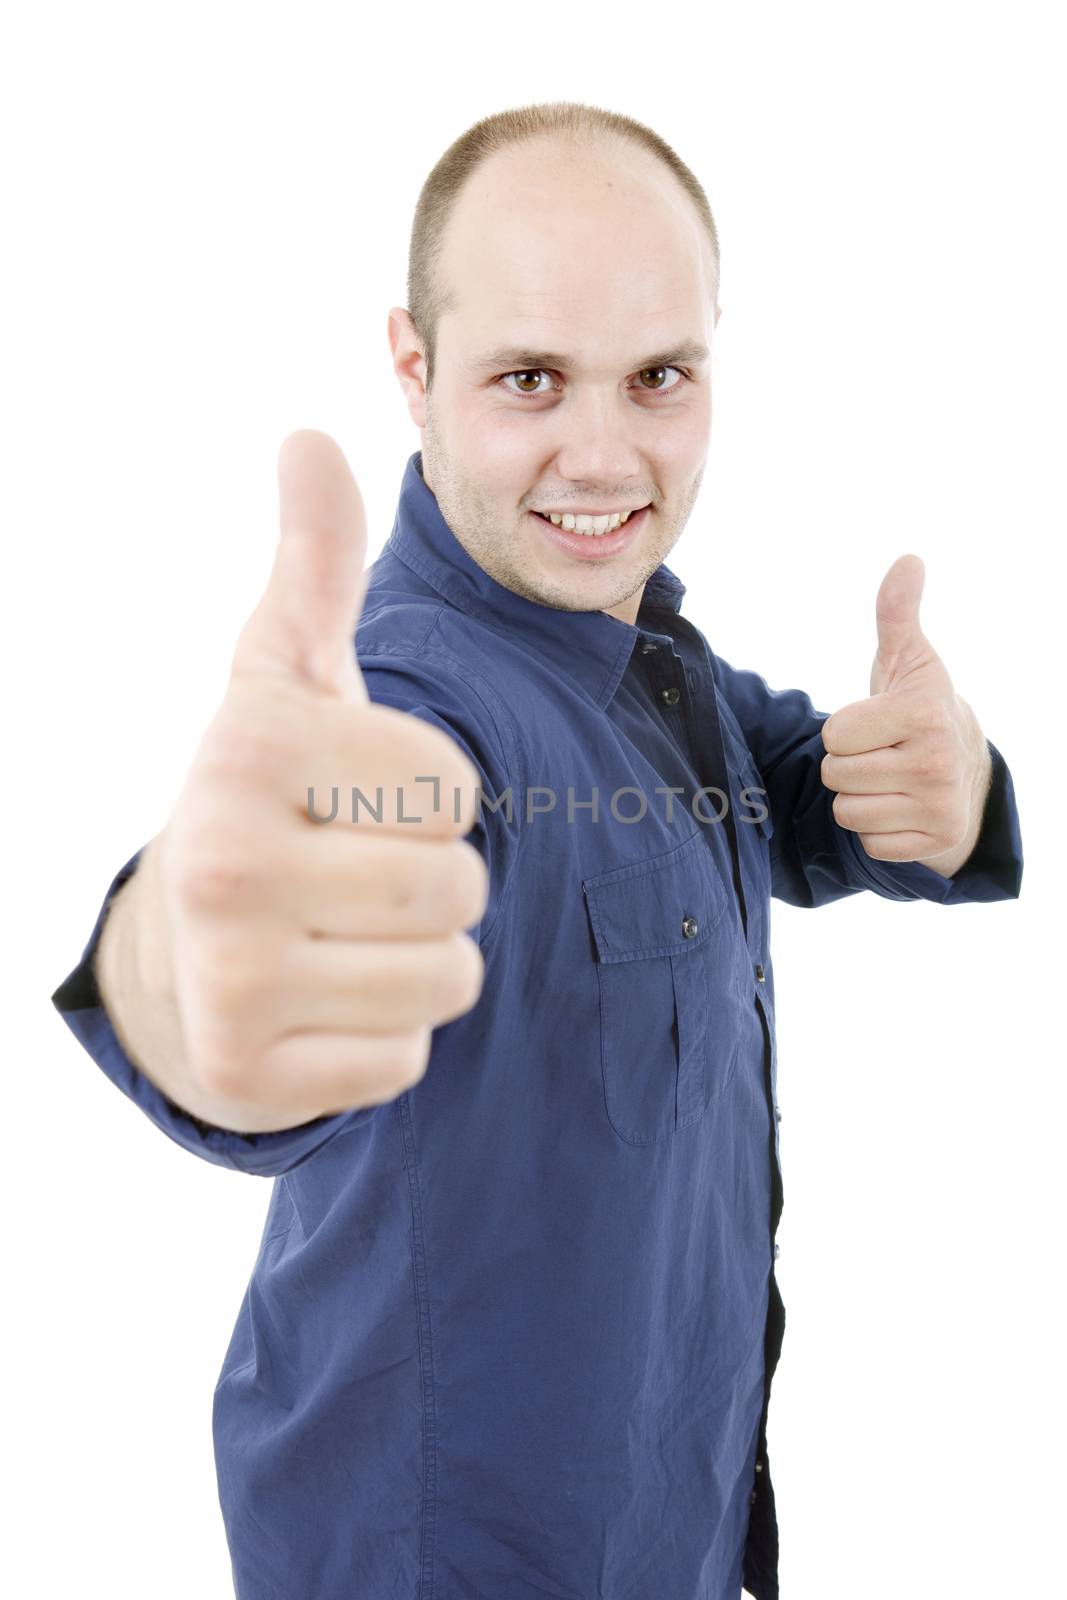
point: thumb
(304, 625)
(900, 638)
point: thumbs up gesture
(309, 960)
(910, 765)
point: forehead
(550, 248)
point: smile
(564, 531)
(589, 525)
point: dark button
(761, 976)
(690, 927)
(777, 1252)
(759, 1466)
(647, 646)
(669, 697)
(752, 1498)
(777, 1115)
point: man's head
(563, 283)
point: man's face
(568, 376)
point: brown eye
(660, 387)
(527, 380)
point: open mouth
(590, 543)
(588, 527)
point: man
(513, 1323)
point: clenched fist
(309, 960)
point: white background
(207, 212)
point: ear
(409, 363)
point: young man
(513, 1324)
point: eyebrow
(516, 358)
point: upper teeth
(588, 524)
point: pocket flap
(644, 909)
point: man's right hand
(306, 961)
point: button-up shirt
(513, 1332)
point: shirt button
(647, 646)
(690, 927)
(669, 697)
(761, 976)
(777, 1115)
(759, 1466)
(752, 1498)
(777, 1252)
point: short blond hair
(427, 298)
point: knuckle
(221, 1078)
(463, 975)
(212, 878)
(456, 767)
(879, 852)
(222, 1069)
(468, 886)
(411, 1057)
(401, 1062)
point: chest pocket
(661, 941)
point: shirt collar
(593, 648)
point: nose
(595, 445)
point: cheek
(688, 439)
(507, 452)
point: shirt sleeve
(79, 1002)
(814, 860)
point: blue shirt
(512, 1334)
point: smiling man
(513, 1323)
(572, 311)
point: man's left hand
(910, 766)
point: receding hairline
(601, 152)
(554, 141)
(553, 124)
